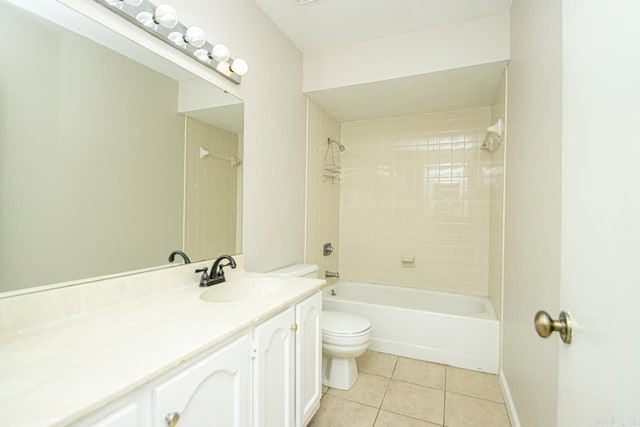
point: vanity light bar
(162, 21)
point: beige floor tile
(336, 412)
(420, 372)
(389, 419)
(475, 384)
(369, 389)
(465, 411)
(415, 401)
(377, 363)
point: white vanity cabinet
(287, 367)
(123, 417)
(214, 391)
(266, 376)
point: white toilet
(344, 337)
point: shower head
(493, 137)
(497, 128)
(340, 146)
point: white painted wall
(274, 134)
(461, 44)
(532, 211)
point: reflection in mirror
(107, 164)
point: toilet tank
(298, 270)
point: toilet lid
(334, 322)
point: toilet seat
(339, 324)
(352, 335)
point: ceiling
(467, 87)
(324, 24)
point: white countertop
(55, 374)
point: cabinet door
(214, 392)
(308, 359)
(124, 417)
(274, 400)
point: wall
(532, 211)
(496, 208)
(323, 189)
(83, 188)
(211, 191)
(274, 133)
(417, 186)
(460, 44)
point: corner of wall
(511, 407)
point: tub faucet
(332, 274)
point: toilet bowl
(345, 336)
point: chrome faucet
(184, 256)
(217, 271)
(332, 274)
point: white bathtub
(457, 330)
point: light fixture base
(130, 12)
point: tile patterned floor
(394, 391)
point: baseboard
(511, 408)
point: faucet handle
(205, 277)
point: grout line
(333, 396)
(376, 418)
(444, 406)
(476, 397)
(386, 390)
(413, 418)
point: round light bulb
(115, 3)
(133, 2)
(146, 19)
(223, 67)
(195, 36)
(202, 55)
(220, 53)
(177, 39)
(166, 16)
(240, 66)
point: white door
(274, 382)
(599, 372)
(308, 359)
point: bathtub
(457, 330)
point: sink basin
(245, 289)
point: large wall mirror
(111, 156)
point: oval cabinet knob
(172, 419)
(545, 325)
(294, 327)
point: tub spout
(332, 274)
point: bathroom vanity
(170, 358)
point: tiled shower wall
(417, 188)
(496, 207)
(211, 191)
(323, 191)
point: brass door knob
(172, 419)
(294, 327)
(545, 325)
